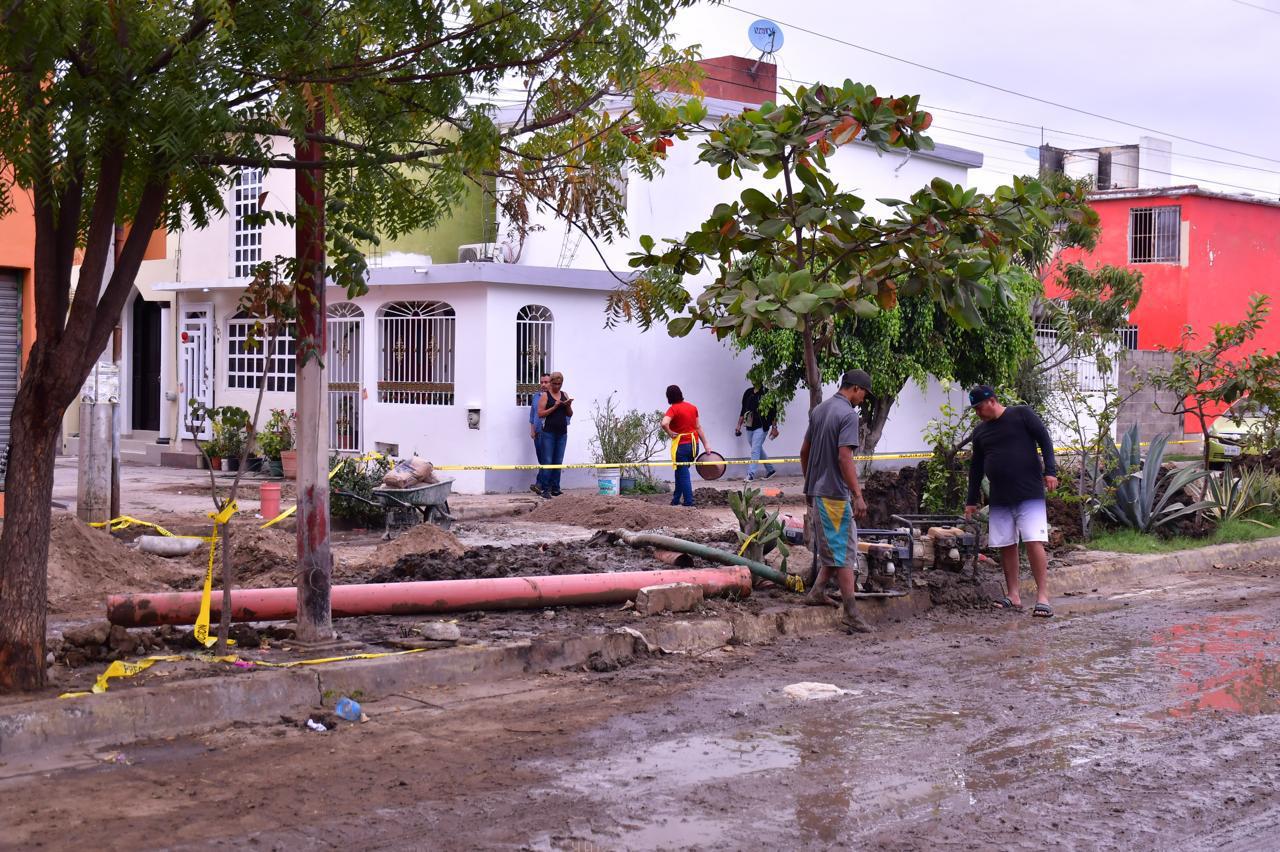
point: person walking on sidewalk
(757, 425)
(834, 495)
(535, 428)
(1004, 451)
(555, 409)
(681, 422)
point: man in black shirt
(757, 426)
(1004, 450)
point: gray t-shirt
(832, 424)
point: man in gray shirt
(834, 495)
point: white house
(438, 357)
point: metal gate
(10, 352)
(533, 350)
(196, 364)
(342, 364)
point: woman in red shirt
(682, 424)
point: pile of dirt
(1064, 517)
(259, 558)
(1268, 461)
(716, 497)
(420, 539)
(87, 564)
(590, 557)
(892, 492)
(611, 513)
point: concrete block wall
(1144, 408)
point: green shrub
(357, 477)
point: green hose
(713, 554)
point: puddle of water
(1224, 664)
(656, 833)
(686, 761)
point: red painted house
(1202, 255)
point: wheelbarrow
(407, 507)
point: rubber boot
(854, 622)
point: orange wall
(17, 251)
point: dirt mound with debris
(87, 564)
(707, 497)
(596, 556)
(892, 492)
(420, 539)
(259, 558)
(611, 513)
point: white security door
(196, 363)
(10, 351)
(342, 364)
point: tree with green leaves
(805, 256)
(914, 341)
(1207, 377)
(137, 112)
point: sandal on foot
(1042, 611)
(1005, 603)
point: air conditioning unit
(477, 253)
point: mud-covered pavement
(1145, 717)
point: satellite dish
(765, 35)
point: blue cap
(981, 394)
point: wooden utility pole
(315, 562)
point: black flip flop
(1042, 611)
(1005, 603)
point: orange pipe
(141, 610)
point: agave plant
(1136, 494)
(1234, 497)
(759, 531)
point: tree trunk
(24, 546)
(224, 620)
(873, 428)
(812, 375)
(315, 563)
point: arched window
(251, 350)
(533, 350)
(416, 353)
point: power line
(1006, 90)
(1255, 6)
(1017, 144)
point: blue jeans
(537, 451)
(684, 476)
(756, 437)
(552, 446)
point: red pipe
(140, 610)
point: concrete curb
(1112, 566)
(195, 706)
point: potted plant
(622, 437)
(276, 439)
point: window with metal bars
(1154, 234)
(246, 251)
(416, 353)
(534, 325)
(249, 350)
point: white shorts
(1028, 520)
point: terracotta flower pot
(289, 461)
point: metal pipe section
(714, 554)
(425, 597)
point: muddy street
(1140, 717)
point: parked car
(1234, 428)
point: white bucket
(607, 481)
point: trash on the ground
(347, 708)
(808, 690)
(313, 725)
(169, 546)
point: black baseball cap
(981, 394)
(856, 379)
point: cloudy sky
(1203, 70)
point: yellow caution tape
(122, 669)
(748, 541)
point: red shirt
(684, 419)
